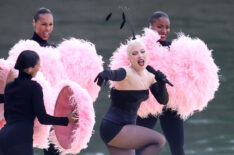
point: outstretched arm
(39, 109)
(107, 74)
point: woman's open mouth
(141, 62)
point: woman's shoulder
(35, 85)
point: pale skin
(136, 73)
(133, 136)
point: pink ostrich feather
(82, 105)
(2, 123)
(4, 71)
(42, 132)
(188, 64)
(194, 75)
(5, 67)
(81, 63)
(21, 46)
(51, 66)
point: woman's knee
(160, 141)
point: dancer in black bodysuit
(171, 124)
(118, 128)
(43, 24)
(24, 102)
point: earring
(28, 70)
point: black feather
(124, 21)
(108, 16)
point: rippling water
(206, 133)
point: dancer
(24, 102)
(60, 77)
(43, 24)
(130, 87)
(172, 125)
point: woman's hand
(159, 76)
(103, 76)
(107, 74)
(72, 117)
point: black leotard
(122, 111)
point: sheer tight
(173, 129)
(131, 137)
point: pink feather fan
(4, 71)
(87, 65)
(74, 137)
(51, 66)
(194, 74)
(81, 63)
(188, 64)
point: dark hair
(156, 15)
(26, 59)
(41, 11)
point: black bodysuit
(23, 102)
(122, 111)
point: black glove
(107, 74)
(159, 76)
(160, 93)
(102, 77)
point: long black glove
(159, 89)
(159, 76)
(107, 74)
(2, 98)
(160, 93)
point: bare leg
(133, 136)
